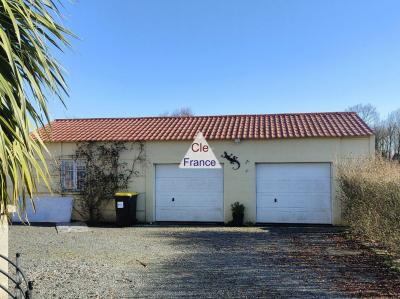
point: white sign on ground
(199, 155)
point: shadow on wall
(262, 262)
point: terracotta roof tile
(266, 126)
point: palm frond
(28, 75)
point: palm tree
(29, 75)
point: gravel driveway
(201, 262)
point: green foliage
(106, 174)
(28, 75)
(370, 192)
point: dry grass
(370, 193)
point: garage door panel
(318, 185)
(173, 171)
(282, 215)
(302, 190)
(197, 194)
(188, 214)
(210, 200)
(316, 201)
(175, 184)
(294, 170)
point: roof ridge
(203, 116)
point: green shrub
(237, 213)
(370, 195)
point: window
(73, 173)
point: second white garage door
(189, 194)
(294, 193)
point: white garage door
(294, 193)
(189, 194)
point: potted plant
(237, 213)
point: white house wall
(239, 185)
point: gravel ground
(200, 262)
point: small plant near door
(237, 214)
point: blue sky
(139, 58)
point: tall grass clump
(370, 195)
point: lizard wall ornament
(232, 159)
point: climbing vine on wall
(104, 174)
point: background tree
(392, 139)
(184, 111)
(387, 130)
(28, 75)
(367, 112)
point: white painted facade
(238, 185)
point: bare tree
(387, 130)
(394, 133)
(382, 135)
(367, 112)
(382, 129)
(184, 111)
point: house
(286, 172)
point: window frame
(78, 165)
